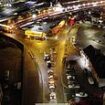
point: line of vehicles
(51, 77)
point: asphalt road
(37, 49)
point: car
(51, 86)
(69, 77)
(46, 57)
(58, 28)
(48, 63)
(52, 96)
(50, 72)
(51, 77)
(51, 81)
(77, 86)
(81, 94)
(73, 86)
